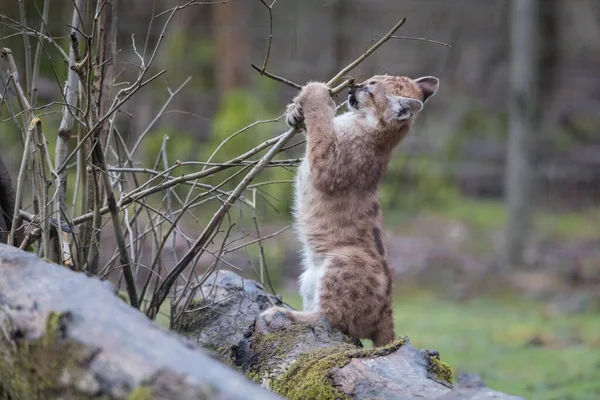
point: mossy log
(64, 335)
(314, 362)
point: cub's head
(391, 100)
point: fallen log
(314, 362)
(64, 335)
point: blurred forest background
(528, 327)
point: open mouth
(352, 100)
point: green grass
(490, 215)
(490, 337)
(481, 214)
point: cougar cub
(338, 219)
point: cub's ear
(429, 86)
(404, 107)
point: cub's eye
(372, 83)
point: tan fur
(346, 276)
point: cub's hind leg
(300, 317)
(384, 330)
(353, 294)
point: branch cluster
(96, 166)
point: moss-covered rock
(47, 367)
(440, 370)
(306, 376)
(140, 393)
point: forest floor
(533, 332)
(516, 346)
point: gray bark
(305, 362)
(522, 124)
(64, 335)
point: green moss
(254, 376)
(223, 353)
(123, 297)
(140, 393)
(441, 370)
(44, 368)
(308, 377)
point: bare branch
(244, 129)
(38, 55)
(21, 180)
(31, 237)
(198, 246)
(26, 30)
(192, 3)
(26, 44)
(420, 39)
(172, 95)
(7, 56)
(277, 78)
(114, 213)
(71, 93)
(166, 285)
(268, 52)
(367, 53)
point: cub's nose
(352, 90)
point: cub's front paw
(315, 89)
(294, 116)
(314, 97)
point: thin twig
(136, 194)
(26, 30)
(26, 44)
(172, 95)
(30, 238)
(268, 52)
(420, 39)
(244, 129)
(114, 213)
(166, 285)
(38, 55)
(7, 55)
(277, 78)
(227, 251)
(264, 270)
(161, 294)
(191, 3)
(367, 53)
(117, 104)
(21, 181)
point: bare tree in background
(100, 166)
(231, 46)
(101, 163)
(523, 99)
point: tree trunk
(7, 206)
(231, 43)
(64, 335)
(313, 362)
(522, 124)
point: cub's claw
(295, 116)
